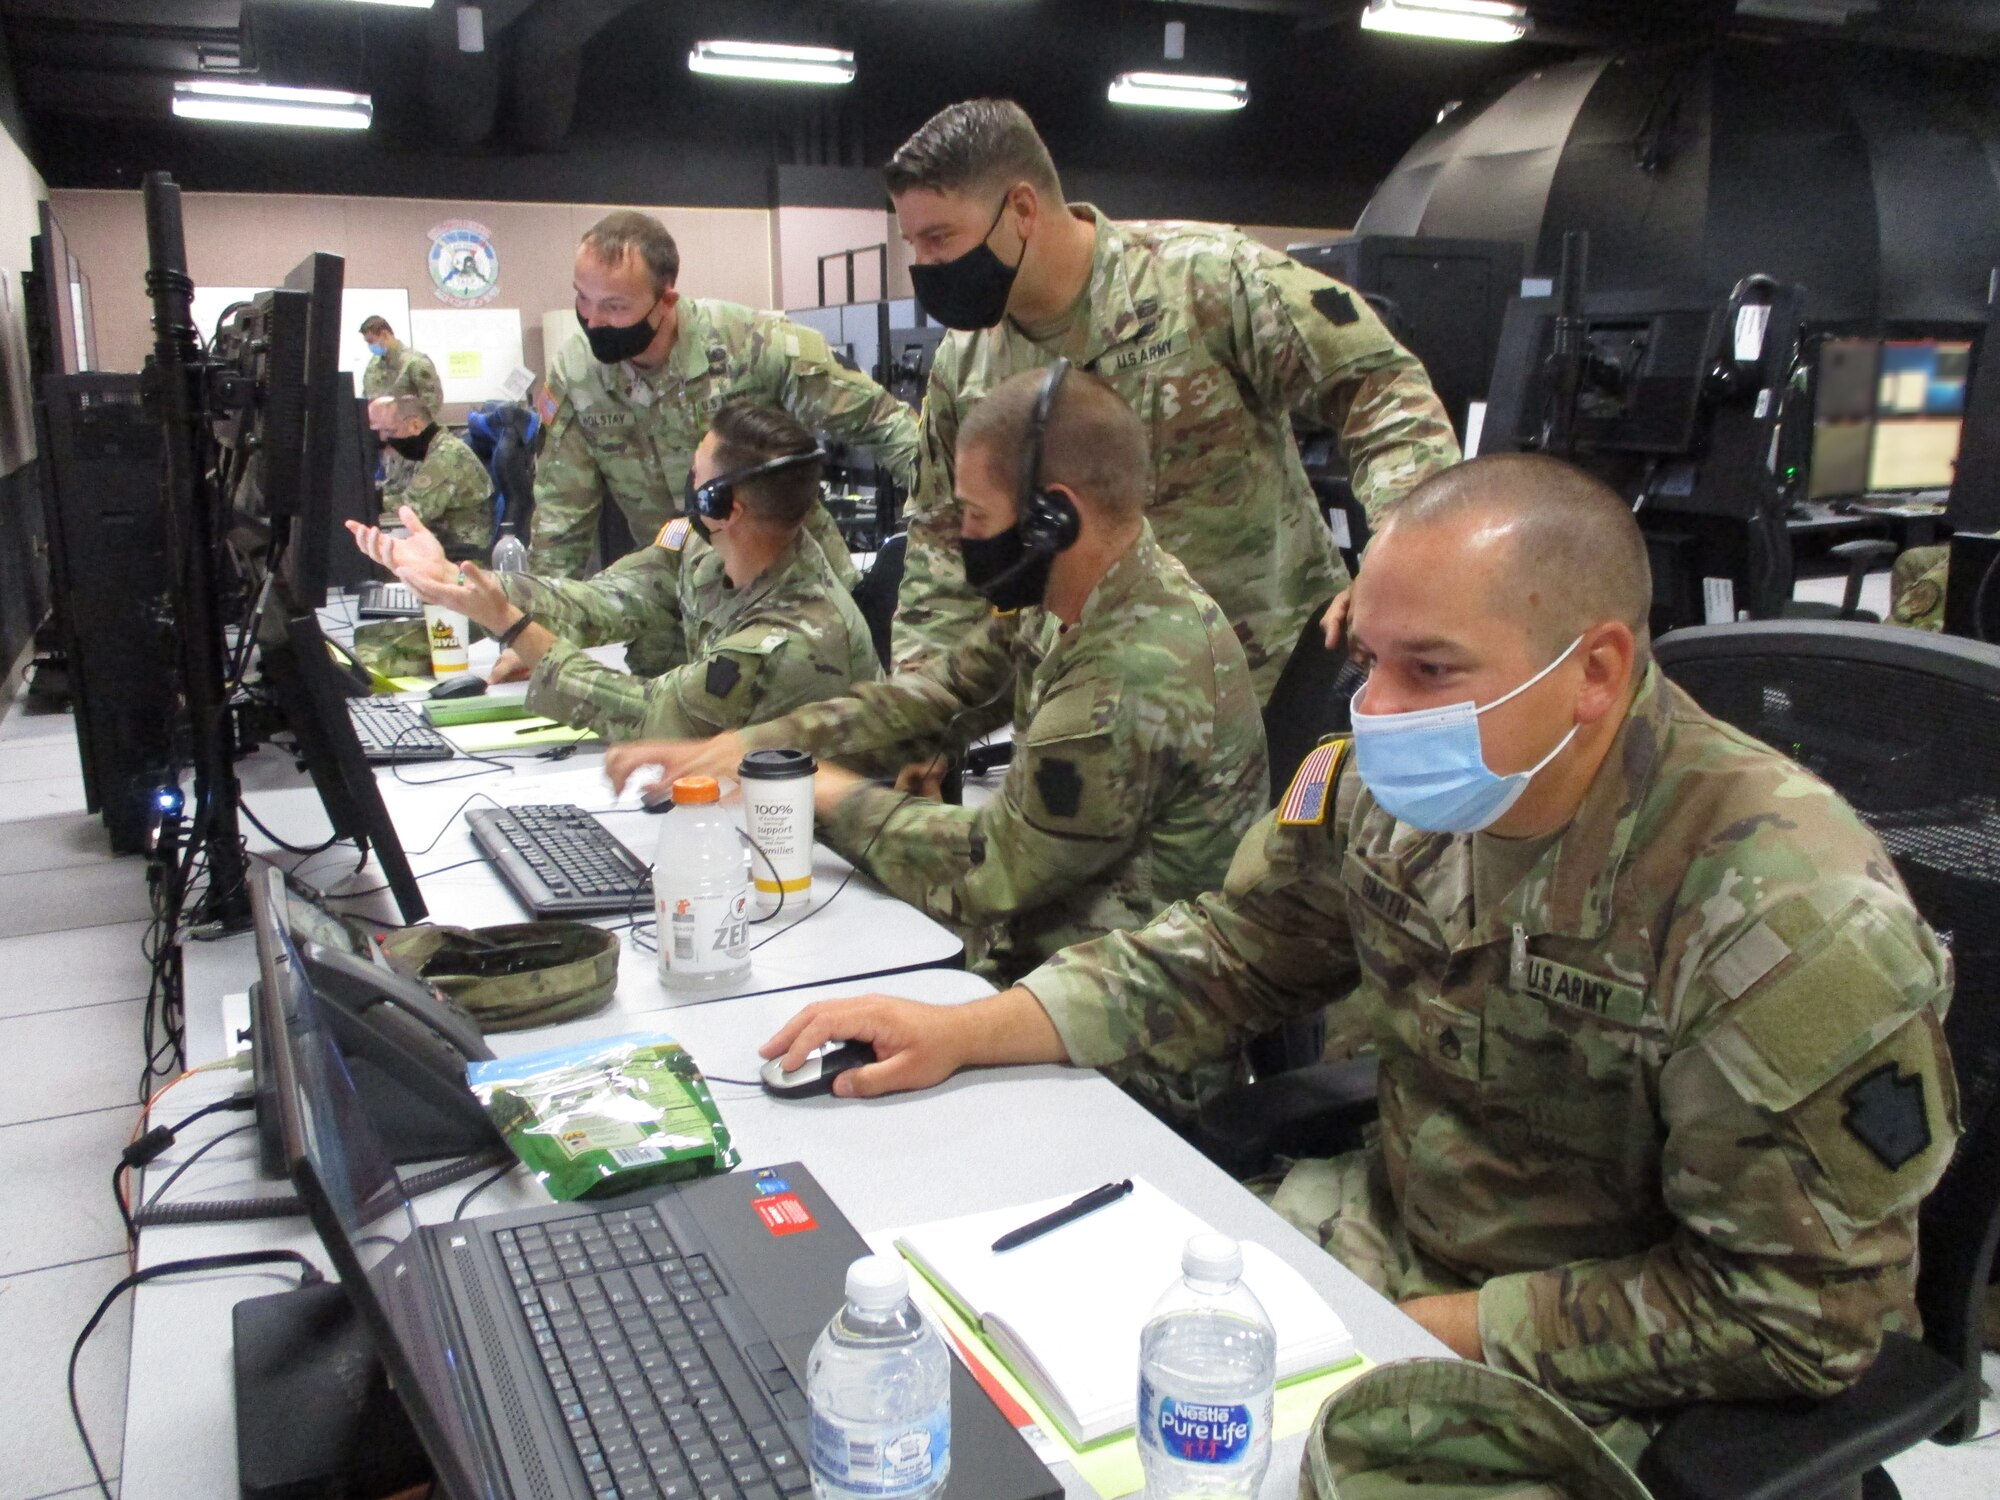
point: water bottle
(878, 1386)
(510, 553)
(701, 894)
(1208, 1365)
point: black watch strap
(513, 632)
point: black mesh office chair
(875, 594)
(1862, 557)
(1906, 726)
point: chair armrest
(1319, 1110)
(1864, 550)
(1801, 1450)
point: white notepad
(1065, 1311)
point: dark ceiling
(591, 100)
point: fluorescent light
(269, 104)
(1179, 91)
(773, 62)
(407, 4)
(1449, 20)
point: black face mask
(970, 292)
(611, 344)
(414, 448)
(1008, 573)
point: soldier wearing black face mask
(447, 485)
(631, 396)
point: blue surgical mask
(1428, 769)
(378, 350)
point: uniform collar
(1109, 600)
(783, 568)
(1569, 892)
(689, 360)
(1121, 302)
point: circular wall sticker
(465, 268)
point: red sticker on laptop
(783, 1213)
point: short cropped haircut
(1578, 556)
(981, 143)
(403, 408)
(375, 324)
(749, 433)
(628, 232)
(1095, 443)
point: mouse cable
(309, 1275)
(155, 1215)
(149, 1147)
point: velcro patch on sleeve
(724, 672)
(545, 403)
(1336, 306)
(1748, 959)
(1061, 787)
(673, 536)
(1311, 791)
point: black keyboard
(386, 601)
(658, 1402)
(391, 734)
(562, 862)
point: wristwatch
(513, 632)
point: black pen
(1069, 1213)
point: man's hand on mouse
(712, 757)
(918, 1046)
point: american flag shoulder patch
(673, 536)
(1312, 785)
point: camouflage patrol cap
(510, 977)
(1448, 1429)
(393, 648)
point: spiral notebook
(1065, 1311)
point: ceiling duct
(546, 66)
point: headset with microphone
(716, 500)
(1046, 518)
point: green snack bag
(596, 1119)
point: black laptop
(652, 1347)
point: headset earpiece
(716, 500)
(1047, 518)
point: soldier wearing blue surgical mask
(1663, 1072)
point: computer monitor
(314, 537)
(1844, 373)
(1919, 413)
(303, 678)
(261, 430)
(351, 488)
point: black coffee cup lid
(776, 765)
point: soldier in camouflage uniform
(1213, 339)
(448, 487)
(761, 625)
(1663, 1074)
(395, 369)
(628, 398)
(1138, 748)
(1916, 587)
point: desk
(887, 1162)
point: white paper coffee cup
(778, 815)
(449, 636)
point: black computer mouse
(816, 1074)
(460, 685)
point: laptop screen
(360, 1210)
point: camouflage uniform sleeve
(453, 496)
(814, 387)
(568, 491)
(637, 595)
(724, 689)
(1273, 944)
(1066, 810)
(935, 608)
(1313, 347)
(958, 699)
(1806, 1110)
(422, 378)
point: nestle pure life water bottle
(878, 1386)
(1208, 1364)
(701, 894)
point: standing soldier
(395, 369)
(1215, 340)
(631, 394)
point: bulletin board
(474, 349)
(356, 303)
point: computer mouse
(816, 1074)
(460, 685)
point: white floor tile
(44, 797)
(55, 1191)
(79, 966)
(1874, 591)
(63, 1062)
(86, 896)
(20, 728)
(1969, 1471)
(58, 843)
(43, 1311)
(30, 759)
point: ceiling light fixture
(1448, 20)
(269, 104)
(773, 62)
(406, 4)
(1179, 91)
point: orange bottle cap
(696, 789)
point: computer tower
(1448, 299)
(108, 544)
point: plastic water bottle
(1208, 1365)
(701, 894)
(510, 553)
(878, 1386)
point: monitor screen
(1844, 377)
(1919, 409)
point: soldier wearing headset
(746, 603)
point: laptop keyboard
(643, 1369)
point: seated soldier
(1138, 747)
(760, 622)
(1917, 587)
(444, 481)
(1663, 1071)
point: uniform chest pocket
(1574, 1075)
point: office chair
(875, 593)
(1862, 558)
(503, 435)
